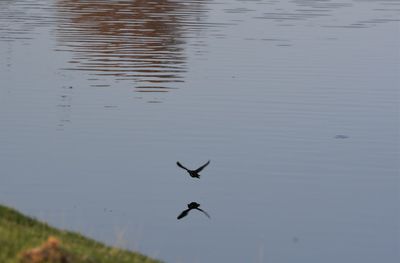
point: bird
(193, 173)
(192, 205)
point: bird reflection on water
(191, 206)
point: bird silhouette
(193, 173)
(191, 206)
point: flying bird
(193, 173)
(192, 205)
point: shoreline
(28, 240)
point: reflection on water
(192, 206)
(142, 41)
(64, 107)
(145, 42)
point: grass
(26, 240)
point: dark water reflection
(140, 41)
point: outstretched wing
(183, 214)
(198, 170)
(204, 212)
(181, 166)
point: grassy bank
(26, 240)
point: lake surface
(296, 104)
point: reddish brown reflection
(136, 40)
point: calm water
(294, 102)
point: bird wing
(204, 212)
(183, 214)
(181, 166)
(198, 170)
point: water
(294, 102)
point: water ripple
(131, 40)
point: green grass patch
(27, 240)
